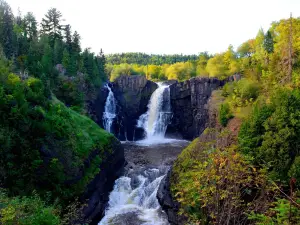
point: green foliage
(224, 114)
(210, 184)
(145, 59)
(271, 134)
(27, 211)
(280, 212)
(44, 144)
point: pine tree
(68, 37)
(51, 25)
(58, 52)
(269, 42)
(76, 43)
(6, 29)
(66, 59)
(101, 61)
(47, 60)
(30, 26)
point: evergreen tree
(101, 61)
(269, 42)
(51, 25)
(6, 29)
(66, 59)
(47, 60)
(76, 43)
(58, 52)
(68, 37)
(30, 26)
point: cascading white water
(133, 200)
(155, 121)
(110, 110)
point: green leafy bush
(271, 134)
(280, 212)
(44, 144)
(27, 211)
(224, 114)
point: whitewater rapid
(133, 200)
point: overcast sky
(164, 26)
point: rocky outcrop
(132, 94)
(189, 105)
(188, 101)
(97, 192)
(96, 109)
(168, 204)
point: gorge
(153, 120)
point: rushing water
(133, 200)
(155, 121)
(109, 111)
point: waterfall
(133, 200)
(110, 110)
(155, 121)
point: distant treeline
(153, 59)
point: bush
(241, 93)
(44, 144)
(271, 134)
(27, 211)
(208, 181)
(224, 114)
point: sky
(164, 26)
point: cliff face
(97, 192)
(189, 105)
(165, 197)
(188, 101)
(132, 94)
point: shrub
(212, 186)
(27, 211)
(224, 114)
(271, 134)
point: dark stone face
(132, 94)
(188, 103)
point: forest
(243, 170)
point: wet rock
(97, 192)
(168, 204)
(132, 94)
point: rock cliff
(189, 105)
(188, 101)
(97, 192)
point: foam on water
(109, 113)
(133, 199)
(156, 120)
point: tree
(268, 42)
(6, 29)
(58, 52)
(76, 43)
(30, 26)
(47, 59)
(66, 58)
(68, 37)
(51, 25)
